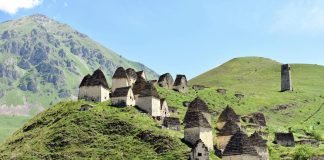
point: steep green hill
(42, 62)
(103, 132)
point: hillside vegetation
(103, 132)
(42, 62)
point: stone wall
(93, 93)
(119, 83)
(129, 99)
(151, 105)
(192, 135)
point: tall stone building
(198, 124)
(286, 83)
(94, 87)
(226, 133)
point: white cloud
(12, 6)
(300, 16)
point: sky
(190, 36)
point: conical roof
(96, 79)
(230, 128)
(120, 73)
(198, 105)
(196, 119)
(228, 114)
(239, 144)
(149, 90)
(257, 140)
(139, 85)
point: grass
(11, 123)
(103, 132)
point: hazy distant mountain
(42, 61)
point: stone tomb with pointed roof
(149, 101)
(199, 151)
(226, 133)
(227, 115)
(166, 81)
(164, 109)
(198, 105)
(260, 146)
(120, 79)
(240, 148)
(123, 97)
(197, 124)
(94, 87)
(180, 84)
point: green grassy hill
(42, 62)
(61, 130)
(103, 132)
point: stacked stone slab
(285, 139)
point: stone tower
(286, 83)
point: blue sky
(191, 36)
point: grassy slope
(47, 94)
(103, 132)
(259, 80)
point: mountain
(42, 62)
(64, 132)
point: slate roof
(198, 105)
(120, 92)
(171, 121)
(239, 144)
(120, 73)
(257, 140)
(230, 128)
(96, 79)
(196, 119)
(228, 114)
(139, 85)
(178, 82)
(149, 90)
(131, 73)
